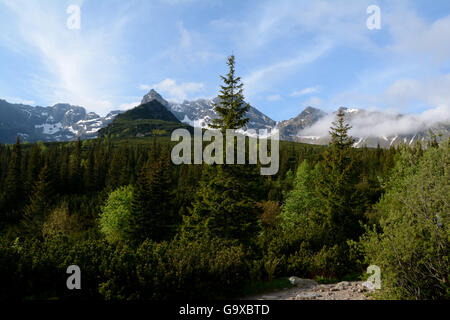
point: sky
(289, 54)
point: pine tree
(114, 171)
(41, 200)
(12, 196)
(34, 166)
(231, 107)
(152, 214)
(224, 205)
(75, 173)
(139, 207)
(342, 201)
(90, 175)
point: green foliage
(201, 269)
(150, 110)
(304, 198)
(40, 204)
(169, 264)
(412, 249)
(152, 215)
(60, 223)
(116, 214)
(322, 212)
(150, 119)
(224, 206)
(9, 198)
(232, 108)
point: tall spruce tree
(75, 172)
(152, 214)
(12, 197)
(224, 205)
(41, 201)
(231, 108)
(338, 185)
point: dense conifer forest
(140, 227)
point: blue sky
(290, 54)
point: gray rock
(303, 283)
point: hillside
(148, 119)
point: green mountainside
(149, 119)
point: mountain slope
(289, 128)
(200, 112)
(150, 110)
(147, 119)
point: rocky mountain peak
(154, 95)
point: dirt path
(310, 290)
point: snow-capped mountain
(370, 128)
(200, 112)
(64, 122)
(61, 122)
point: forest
(141, 228)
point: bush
(413, 247)
(200, 269)
(115, 215)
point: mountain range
(61, 122)
(64, 122)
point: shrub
(115, 215)
(413, 247)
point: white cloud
(186, 40)
(264, 77)
(270, 21)
(78, 66)
(177, 92)
(128, 106)
(412, 36)
(19, 101)
(305, 91)
(144, 87)
(432, 91)
(370, 124)
(315, 102)
(274, 97)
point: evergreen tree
(342, 201)
(13, 187)
(152, 214)
(231, 107)
(75, 173)
(225, 205)
(114, 171)
(90, 174)
(34, 166)
(41, 201)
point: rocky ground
(306, 289)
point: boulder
(302, 283)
